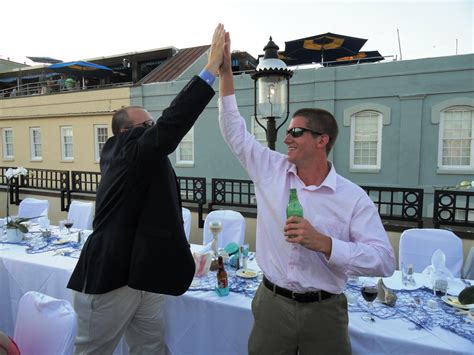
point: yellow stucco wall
(81, 110)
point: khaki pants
(284, 326)
(103, 319)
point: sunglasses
(147, 123)
(296, 132)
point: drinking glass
(68, 224)
(369, 291)
(244, 254)
(215, 226)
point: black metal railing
(453, 208)
(239, 194)
(82, 183)
(450, 208)
(396, 203)
(193, 191)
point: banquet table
(201, 322)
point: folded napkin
(437, 271)
(203, 263)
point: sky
(73, 30)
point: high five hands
(216, 54)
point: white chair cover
(233, 227)
(81, 213)
(33, 207)
(468, 270)
(187, 218)
(44, 325)
(418, 245)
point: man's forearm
(226, 84)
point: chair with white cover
(44, 325)
(418, 245)
(233, 227)
(81, 214)
(187, 218)
(468, 269)
(33, 207)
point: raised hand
(216, 54)
(226, 66)
(226, 82)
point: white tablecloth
(203, 323)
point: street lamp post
(271, 91)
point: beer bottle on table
(294, 207)
(221, 274)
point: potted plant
(16, 229)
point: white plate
(395, 282)
(454, 286)
(247, 273)
(453, 302)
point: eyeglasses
(146, 124)
(296, 132)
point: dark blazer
(138, 237)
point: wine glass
(68, 224)
(369, 291)
(215, 226)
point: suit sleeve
(178, 118)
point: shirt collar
(330, 181)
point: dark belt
(316, 296)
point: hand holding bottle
(299, 231)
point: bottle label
(222, 283)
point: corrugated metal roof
(173, 67)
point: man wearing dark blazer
(138, 250)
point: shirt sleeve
(368, 251)
(207, 76)
(257, 160)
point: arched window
(366, 140)
(455, 146)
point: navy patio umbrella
(81, 68)
(321, 48)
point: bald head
(128, 117)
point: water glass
(407, 275)
(62, 228)
(244, 254)
(43, 222)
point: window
(366, 140)
(7, 144)
(258, 132)
(35, 143)
(456, 138)
(185, 151)
(67, 152)
(101, 134)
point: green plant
(18, 223)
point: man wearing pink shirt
(300, 306)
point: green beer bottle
(294, 207)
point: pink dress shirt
(337, 208)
